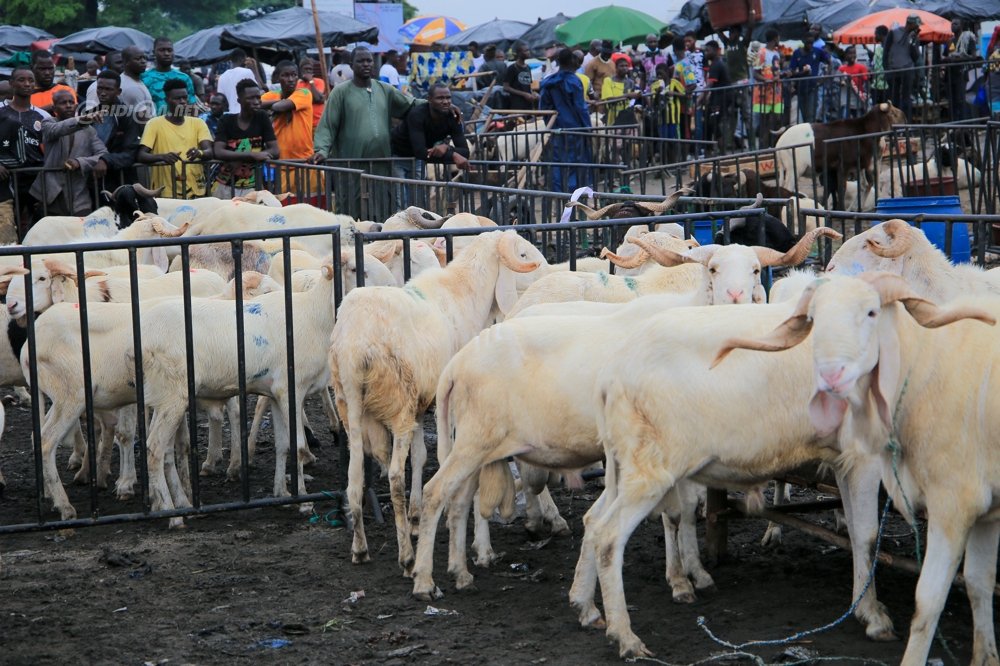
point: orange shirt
(43, 99)
(317, 110)
(294, 129)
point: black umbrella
(790, 19)
(972, 10)
(543, 34)
(202, 48)
(293, 30)
(104, 40)
(498, 31)
(836, 15)
(19, 37)
(693, 17)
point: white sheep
(178, 211)
(653, 421)
(385, 382)
(873, 381)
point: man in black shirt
(517, 84)
(719, 105)
(243, 139)
(20, 147)
(120, 131)
(424, 135)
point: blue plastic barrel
(702, 232)
(935, 231)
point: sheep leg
(946, 539)
(859, 494)
(772, 535)
(166, 420)
(58, 422)
(124, 438)
(263, 404)
(214, 454)
(356, 478)
(451, 477)
(77, 459)
(308, 440)
(418, 457)
(397, 491)
(551, 518)
(109, 421)
(687, 536)
(175, 465)
(3, 421)
(980, 578)
(282, 444)
(680, 586)
(458, 527)
(235, 446)
(581, 594)
(533, 480)
(101, 431)
(481, 538)
(331, 411)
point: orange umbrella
(932, 29)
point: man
(155, 79)
(291, 112)
(72, 150)
(119, 130)
(86, 80)
(114, 62)
(494, 64)
(880, 87)
(477, 60)
(217, 107)
(736, 44)
(855, 84)
(564, 93)
(133, 93)
(584, 79)
(600, 67)
(652, 57)
(901, 54)
(176, 137)
(429, 133)
(593, 51)
(6, 92)
(356, 123)
(314, 85)
(805, 68)
(388, 72)
(517, 85)
(341, 70)
(243, 140)
(816, 30)
(241, 67)
(961, 50)
(199, 84)
(719, 107)
(20, 147)
(44, 69)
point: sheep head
(795, 256)
(660, 239)
(643, 207)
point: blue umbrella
(499, 32)
(19, 37)
(429, 29)
(104, 40)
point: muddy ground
(268, 586)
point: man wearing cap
(902, 54)
(601, 67)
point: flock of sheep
(503, 344)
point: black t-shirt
(718, 77)
(420, 130)
(519, 78)
(20, 145)
(253, 139)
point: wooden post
(319, 44)
(716, 525)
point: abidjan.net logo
(141, 113)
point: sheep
(652, 418)
(53, 282)
(873, 381)
(899, 248)
(123, 204)
(412, 218)
(386, 383)
(217, 372)
(747, 230)
(390, 253)
(180, 210)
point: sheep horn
(169, 233)
(630, 261)
(507, 249)
(416, 218)
(900, 239)
(798, 253)
(892, 288)
(384, 250)
(789, 333)
(142, 189)
(663, 256)
(592, 214)
(666, 204)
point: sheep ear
(58, 288)
(826, 412)
(506, 291)
(886, 374)
(159, 258)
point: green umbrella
(619, 24)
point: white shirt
(389, 74)
(227, 85)
(340, 73)
(134, 93)
(586, 59)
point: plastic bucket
(702, 231)
(935, 231)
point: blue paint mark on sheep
(253, 308)
(260, 341)
(414, 292)
(182, 210)
(603, 277)
(276, 219)
(632, 284)
(261, 373)
(92, 222)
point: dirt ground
(268, 586)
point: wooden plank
(716, 526)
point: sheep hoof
(772, 537)
(82, 477)
(407, 567)
(176, 524)
(74, 463)
(487, 559)
(464, 582)
(703, 582)
(431, 594)
(206, 470)
(560, 527)
(360, 557)
(233, 475)
(685, 597)
(68, 513)
(633, 648)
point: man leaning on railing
(20, 148)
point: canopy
(292, 29)
(104, 40)
(692, 17)
(429, 29)
(838, 14)
(202, 48)
(790, 19)
(498, 31)
(543, 34)
(19, 37)
(932, 29)
(973, 10)
(619, 24)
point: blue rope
(332, 522)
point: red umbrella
(933, 28)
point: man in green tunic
(357, 123)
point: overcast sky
(529, 11)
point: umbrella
(202, 48)
(619, 24)
(104, 40)
(292, 29)
(693, 17)
(838, 14)
(428, 29)
(543, 34)
(498, 31)
(790, 19)
(972, 10)
(19, 37)
(932, 29)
